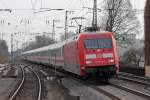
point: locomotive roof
(97, 32)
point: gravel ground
(70, 86)
(30, 88)
(51, 88)
(6, 85)
(58, 92)
(85, 92)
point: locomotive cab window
(98, 43)
(104, 43)
(90, 44)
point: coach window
(43, 53)
(46, 54)
(36, 54)
(39, 53)
(30, 54)
(53, 53)
(57, 52)
(49, 52)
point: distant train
(86, 54)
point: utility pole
(53, 27)
(94, 22)
(66, 25)
(53, 31)
(3, 21)
(12, 46)
(66, 20)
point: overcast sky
(22, 12)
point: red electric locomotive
(86, 54)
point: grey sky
(38, 21)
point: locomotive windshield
(98, 43)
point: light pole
(12, 47)
(53, 29)
(66, 23)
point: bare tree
(40, 41)
(119, 17)
(132, 56)
(43, 41)
(3, 51)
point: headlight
(107, 55)
(111, 60)
(90, 56)
(88, 62)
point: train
(88, 54)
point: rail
(39, 81)
(20, 85)
(22, 82)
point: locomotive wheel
(84, 78)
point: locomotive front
(99, 55)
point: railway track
(133, 91)
(102, 91)
(134, 76)
(115, 97)
(135, 79)
(108, 94)
(25, 86)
